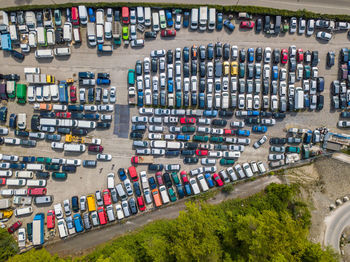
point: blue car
(219, 19)
(229, 25)
(306, 100)
(78, 223)
(75, 108)
(259, 129)
(275, 72)
(28, 159)
(137, 189)
(169, 18)
(201, 100)
(92, 16)
(250, 55)
(178, 99)
(243, 132)
(180, 190)
(103, 81)
(92, 116)
(209, 180)
(183, 137)
(122, 174)
(152, 182)
(170, 86)
(140, 99)
(308, 137)
(210, 113)
(253, 113)
(13, 122)
(172, 153)
(194, 98)
(17, 166)
(188, 190)
(186, 19)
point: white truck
(5, 203)
(41, 35)
(30, 20)
(4, 22)
(299, 98)
(91, 34)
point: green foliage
(8, 245)
(36, 255)
(227, 188)
(269, 226)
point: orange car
(46, 107)
(156, 197)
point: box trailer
(41, 36)
(38, 229)
(63, 92)
(299, 98)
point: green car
(216, 139)
(307, 72)
(226, 162)
(131, 76)
(52, 167)
(46, 160)
(175, 178)
(59, 175)
(188, 129)
(172, 195)
(125, 33)
(293, 149)
(200, 138)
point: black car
(210, 51)
(34, 124)
(69, 168)
(21, 133)
(155, 167)
(17, 55)
(132, 205)
(218, 50)
(79, 131)
(52, 167)
(194, 67)
(330, 58)
(136, 135)
(188, 152)
(202, 85)
(267, 22)
(75, 203)
(103, 125)
(63, 130)
(190, 160)
(320, 84)
(258, 25)
(219, 122)
(167, 180)
(43, 175)
(314, 58)
(320, 103)
(169, 56)
(103, 75)
(292, 64)
(276, 56)
(192, 145)
(186, 69)
(225, 113)
(186, 54)
(39, 19)
(242, 55)
(258, 54)
(172, 153)
(202, 53)
(138, 67)
(265, 114)
(137, 189)
(150, 35)
(59, 36)
(226, 53)
(202, 69)
(279, 115)
(252, 120)
(278, 141)
(154, 65)
(89, 163)
(77, 115)
(11, 77)
(47, 114)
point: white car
(310, 27)
(324, 36)
(105, 96)
(110, 180)
(31, 94)
(174, 129)
(158, 53)
(156, 129)
(157, 152)
(21, 237)
(267, 55)
(108, 108)
(105, 157)
(302, 26)
(314, 72)
(268, 121)
(208, 161)
(119, 211)
(217, 131)
(66, 206)
(139, 119)
(106, 117)
(256, 102)
(234, 52)
(57, 145)
(82, 95)
(112, 94)
(91, 108)
(75, 162)
(155, 136)
(58, 210)
(146, 111)
(247, 170)
(300, 70)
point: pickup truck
(116, 32)
(132, 96)
(105, 48)
(142, 160)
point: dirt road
(83, 243)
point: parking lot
(83, 58)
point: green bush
(8, 245)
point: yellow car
(226, 68)
(234, 68)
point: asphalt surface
(336, 224)
(82, 243)
(320, 6)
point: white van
(46, 93)
(212, 19)
(194, 184)
(99, 33)
(76, 35)
(37, 182)
(32, 39)
(5, 173)
(83, 14)
(174, 145)
(120, 214)
(155, 20)
(100, 16)
(50, 36)
(59, 107)
(6, 192)
(23, 211)
(121, 191)
(13, 33)
(140, 16)
(67, 32)
(48, 122)
(35, 167)
(164, 194)
(32, 70)
(74, 147)
(62, 228)
(22, 121)
(203, 182)
(54, 93)
(86, 124)
(110, 213)
(62, 51)
(148, 20)
(158, 144)
(20, 192)
(44, 53)
(194, 18)
(108, 30)
(24, 174)
(16, 182)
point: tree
(8, 245)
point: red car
(50, 219)
(159, 178)
(73, 94)
(247, 24)
(102, 215)
(2, 181)
(284, 56)
(229, 132)
(37, 191)
(168, 32)
(63, 114)
(184, 178)
(300, 55)
(98, 149)
(218, 180)
(107, 200)
(14, 227)
(141, 203)
(201, 152)
(187, 120)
